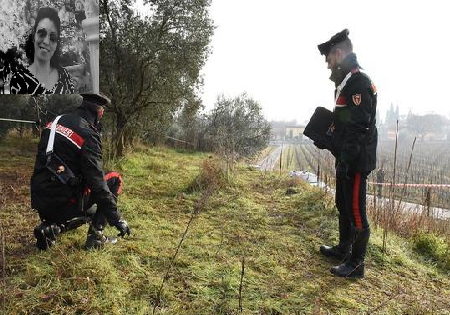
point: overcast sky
(269, 50)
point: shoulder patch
(356, 98)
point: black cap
(98, 99)
(325, 48)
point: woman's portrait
(44, 75)
(43, 47)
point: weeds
(241, 283)
(407, 223)
(388, 219)
(250, 248)
(3, 266)
(208, 181)
(211, 177)
(433, 247)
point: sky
(268, 49)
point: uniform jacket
(353, 132)
(78, 144)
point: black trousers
(351, 202)
(74, 209)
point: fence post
(281, 157)
(428, 201)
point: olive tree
(150, 64)
(237, 128)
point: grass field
(251, 247)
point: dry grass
(252, 249)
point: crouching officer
(352, 138)
(68, 186)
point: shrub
(211, 177)
(434, 248)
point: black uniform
(352, 139)
(78, 144)
(354, 134)
(354, 143)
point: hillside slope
(268, 225)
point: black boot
(96, 239)
(354, 268)
(349, 269)
(341, 251)
(76, 222)
(46, 235)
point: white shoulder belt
(51, 138)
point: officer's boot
(46, 233)
(96, 239)
(354, 267)
(76, 222)
(341, 251)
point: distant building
(294, 132)
(277, 133)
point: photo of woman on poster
(45, 47)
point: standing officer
(353, 141)
(68, 178)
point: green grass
(434, 248)
(252, 216)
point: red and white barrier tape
(412, 185)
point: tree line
(150, 68)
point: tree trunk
(128, 138)
(119, 143)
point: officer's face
(332, 60)
(100, 112)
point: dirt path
(268, 163)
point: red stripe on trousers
(355, 204)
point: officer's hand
(123, 228)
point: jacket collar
(87, 115)
(347, 64)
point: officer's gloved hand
(123, 228)
(342, 169)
